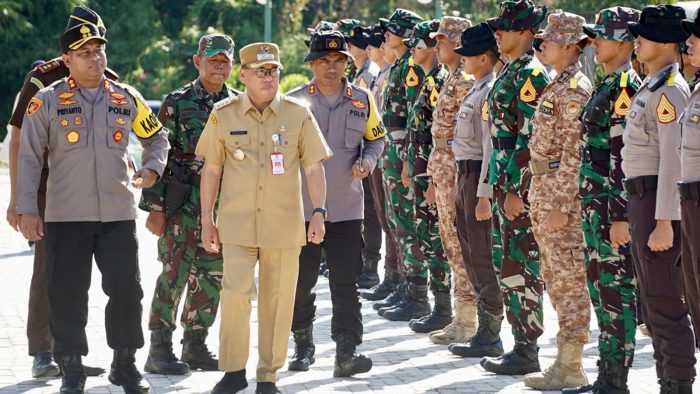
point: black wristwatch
(323, 212)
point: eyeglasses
(263, 72)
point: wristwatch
(322, 211)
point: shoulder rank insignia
(665, 111)
(348, 91)
(623, 103)
(362, 83)
(46, 67)
(528, 93)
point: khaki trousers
(277, 280)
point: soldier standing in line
(690, 73)
(346, 26)
(610, 269)
(512, 102)
(426, 255)
(174, 216)
(402, 88)
(472, 194)
(441, 168)
(652, 166)
(379, 54)
(555, 206)
(367, 70)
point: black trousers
(343, 245)
(371, 231)
(70, 247)
(659, 275)
(690, 261)
(38, 333)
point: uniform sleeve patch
(34, 105)
(484, 111)
(665, 111)
(412, 78)
(528, 93)
(623, 103)
(572, 108)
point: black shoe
(232, 382)
(73, 380)
(380, 291)
(393, 299)
(161, 359)
(522, 360)
(44, 366)
(672, 386)
(124, 373)
(304, 349)
(367, 280)
(347, 362)
(195, 351)
(416, 306)
(438, 319)
(266, 388)
(323, 268)
(486, 342)
(94, 371)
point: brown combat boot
(566, 371)
(463, 326)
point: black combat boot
(394, 298)
(369, 277)
(439, 318)
(73, 380)
(522, 360)
(161, 359)
(672, 386)
(597, 385)
(486, 342)
(44, 366)
(304, 349)
(124, 373)
(347, 362)
(382, 290)
(416, 307)
(266, 388)
(405, 299)
(195, 351)
(232, 382)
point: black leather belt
(641, 184)
(395, 122)
(468, 166)
(689, 191)
(504, 143)
(590, 154)
(423, 139)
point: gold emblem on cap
(85, 31)
(333, 44)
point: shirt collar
(484, 80)
(248, 105)
(203, 93)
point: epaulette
(301, 87)
(297, 101)
(664, 76)
(624, 78)
(226, 101)
(49, 66)
(111, 74)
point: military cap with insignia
(375, 36)
(611, 24)
(476, 40)
(320, 26)
(401, 22)
(518, 16)
(359, 37)
(660, 23)
(345, 26)
(75, 37)
(213, 44)
(692, 26)
(82, 15)
(326, 42)
(259, 54)
(420, 38)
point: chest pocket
(690, 130)
(118, 129)
(596, 116)
(354, 131)
(71, 132)
(635, 132)
(191, 125)
(465, 124)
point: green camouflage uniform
(345, 26)
(424, 252)
(402, 88)
(185, 262)
(516, 255)
(610, 273)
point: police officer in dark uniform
(38, 335)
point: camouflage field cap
(214, 44)
(518, 16)
(611, 24)
(82, 15)
(259, 54)
(401, 22)
(321, 26)
(420, 37)
(345, 26)
(661, 23)
(563, 28)
(692, 26)
(451, 28)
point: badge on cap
(265, 54)
(332, 43)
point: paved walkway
(404, 362)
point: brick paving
(404, 362)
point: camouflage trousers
(516, 260)
(610, 274)
(426, 254)
(399, 202)
(185, 262)
(442, 167)
(561, 262)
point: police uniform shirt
(472, 137)
(352, 124)
(690, 139)
(87, 140)
(652, 138)
(379, 87)
(366, 74)
(256, 208)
